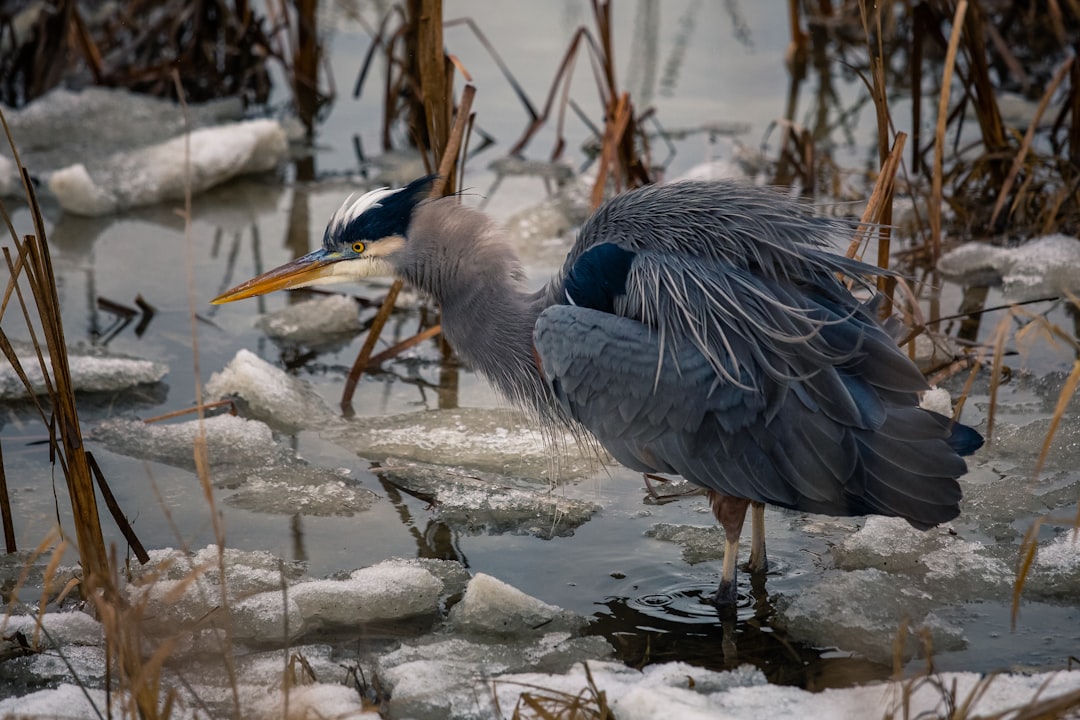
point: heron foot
(755, 565)
(726, 595)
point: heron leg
(758, 562)
(731, 513)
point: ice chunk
(267, 617)
(294, 488)
(715, 169)
(384, 592)
(53, 131)
(699, 544)
(861, 611)
(230, 440)
(307, 702)
(57, 629)
(889, 544)
(1056, 573)
(1042, 267)
(269, 394)
(938, 400)
(313, 322)
(670, 690)
(440, 678)
(942, 564)
(492, 606)
(477, 502)
(966, 571)
(161, 172)
(1026, 441)
(89, 373)
(66, 701)
(500, 441)
(176, 591)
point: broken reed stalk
(880, 200)
(937, 180)
(883, 215)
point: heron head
(360, 241)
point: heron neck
(462, 260)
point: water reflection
(682, 624)
(437, 540)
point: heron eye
(358, 247)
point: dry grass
(540, 703)
(31, 265)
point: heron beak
(315, 268)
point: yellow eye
(358, 247)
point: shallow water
(646, 597)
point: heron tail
(965, 440)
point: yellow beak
(315, 268)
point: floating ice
(716, 169)
(162, 172)
(56, 629)
(671, 690)
(500, 441)
(230, 440)
(1056, 572)
(889, 544)
(938, 400)
(313, 322)
(385, 592)
(178, 591)
(478, 503)
(699, 544)
(492, 606)
(89, 373)
(861, 611)
(1042, 267)
(269, 394)
(62, 126)
(538, 232)
(943, 565)
(66, 701)
(294, 488)
(436, 678)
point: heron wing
(792, 401)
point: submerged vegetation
(951, 66)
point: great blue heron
(698, 328)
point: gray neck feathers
(460, 257)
